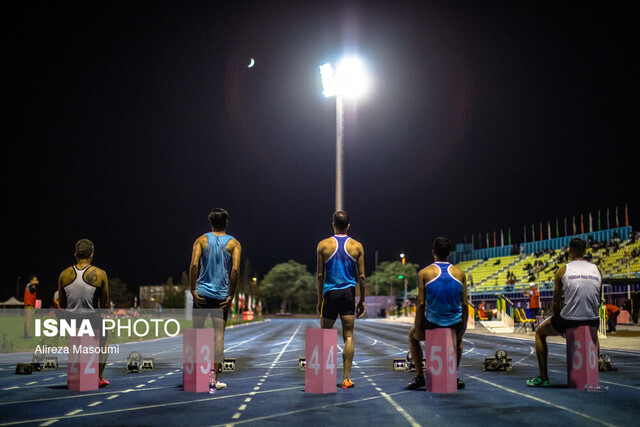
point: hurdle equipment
(82, 368)
(321, 353)
(197, 359)
(582, 357)
(441, 373)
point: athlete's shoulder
(456, 272)
(429, 272)
(67, 276)
(561, 271)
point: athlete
(340, 266)
(442, 303)
(213, 275)
(83, 288)
(581, 283)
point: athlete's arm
(320, 276)
(62, 295)
(360, 308)
(194, 268)
(420, 301)
(465, 304)
(557, 291)
(236, 251)
(601, 287)
(104, 295)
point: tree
(173, 295)
(119, 294)
(288, 287)
(390, 276)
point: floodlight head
(348, 80)
(328, 80)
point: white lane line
(69, 414)
(141, 385)
(113, 397)
(10, 388)
(315, 408)
(546, 402)
(151, 381)
(242, 407)
(32, 382)
(398, 408)
(95, 403)
(48, 423)
(247, 400)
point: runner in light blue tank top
(215, 265)
(444, 296)
(340, 268)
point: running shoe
(538, 382)
(220, 386)
(460, 384)
(102, 382)
(417, 382)
(347, 384)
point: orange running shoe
(347, 384)
(102, 382)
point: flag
(494, 238)
(549, 229)
(501, 237)
(590, 223)
(608, 219)
(509, 236)
(565, 226)
(581, 224)
(574, 225)
(541, 236)
(525, 234)
(626, 215)
(617, 223)
(599, 227)
(533, 232)
(487, 239)
(557, 229)
(472, 241)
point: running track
(268, 387)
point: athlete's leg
(543, 331)
(347, 336)
(219, 321)
(416, 351)
(459, 335)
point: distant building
(152, 296)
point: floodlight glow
(351, 78)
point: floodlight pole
(339, 152)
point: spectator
(635, 306)
(612, 317)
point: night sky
(128, 121)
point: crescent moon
(251, 63)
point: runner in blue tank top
(442, 303)
(213, 275)
(340, 267)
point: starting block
(407, 364)
(228, 364)
(147, 364)
(302, 363)
(197, 359)
(582, 357)
(501, 362)
(441, 373)
(24, 369)
(321, 351)
(82, 368)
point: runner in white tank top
(581, 284)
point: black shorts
(200, 310)
(561, 325)
(339, 302)
(458, 327)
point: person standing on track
(29, 305)
(441, 303)
(340, 266)
(213, 275)
(83, 288)
(534, 303)
(581, 283)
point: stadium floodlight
(349, 80)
